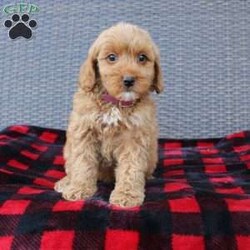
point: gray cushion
(205, 54)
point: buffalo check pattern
(199, 198)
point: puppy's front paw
(126, 199)
(78, 193)
(74, 193)
(62, 184)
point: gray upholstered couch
(205, 54)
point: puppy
(112, 132)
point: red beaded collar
(120, 103)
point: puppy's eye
(142, 58)
(112, 58)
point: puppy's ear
(88, 71)
(158, 84)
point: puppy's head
(125, 61)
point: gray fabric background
(205, 54)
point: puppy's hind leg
(67, 153)
(82, 168)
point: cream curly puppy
(112, 133)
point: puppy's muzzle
(128, 81)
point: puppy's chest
(115, 119)
(110, 123)
(111, 117)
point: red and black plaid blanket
(200, 198)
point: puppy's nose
(128, 81)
